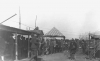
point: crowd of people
(22, 44)
(50, 46)
(41, 46)
(91, 48)
(8, 46)
(38, 46)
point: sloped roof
(13, 30)
(54, 33)
(40, 32)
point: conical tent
(54, 33)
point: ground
(62, 57)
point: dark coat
(73, 46)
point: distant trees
(84, 36)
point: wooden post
(16, 47)
(19, 19)
(95, 48)
(89, 45)
(28, 46)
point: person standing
(72, 49)
(34, 47)
(83, 44)
(97, 54)
(3, 43)
(51, 46)
(10, 45)
(54, 46)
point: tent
(54, 33)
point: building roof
(54, 33)
(37, 31)
(13, 30)
(40, 32)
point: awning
(13, 30)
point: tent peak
(54, 32)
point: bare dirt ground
(63, 56)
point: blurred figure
(34, 47)
(72, 49)
(2, 45)
(42, 45)
(54, 46)
(83, 45)
(10, 46)
(51, 46)
(97, 54)
(47, 47)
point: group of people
(52, 46)
(7, 46)
(91, 48)
(72, 48)
(41, 46)
(38, 46)
(49, 46)
(22, 44)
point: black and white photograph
(49, 30)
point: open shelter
(54, 33)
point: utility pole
(19, 18)
(29, 45)
(29, 28)
(89, 45)
(35, 21)
(89, 36)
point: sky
(71, 17)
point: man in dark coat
(83, 44)
(9, 51)
(72, 49)
(34, 47)
(2, 45)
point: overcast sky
(71, 17)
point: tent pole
(16, 47)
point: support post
(89, 46)
(16, 47)
(28, 47)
